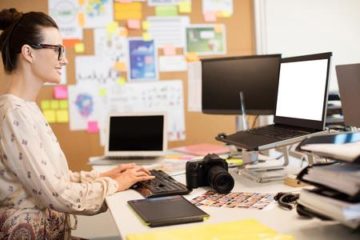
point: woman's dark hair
(19, 29)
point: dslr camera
(211, 171)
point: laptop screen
(302, 91)
(136, 134)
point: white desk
(281, 220)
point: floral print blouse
(34, 173)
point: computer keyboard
(162, 185)
(277, 132)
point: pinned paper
(111, 27)
(79, 47)
(223, 14)
(145, 25)
(81, 19)
(102, 92)
(121, 81)
(123, 32)
(92, 127)
(185, 6)
(210, 16)
(70, 42)
(45, 104)
(62, 116)
(166, 10)
(60, 92)
(120, 66)
(169, 50)
(218, 28)
(54, 104)
(50, 116)
(133, 24)
(192, 57)
(146, 36)
(81, 2)
(125, 11)
(63, 104)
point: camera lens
(220, 180)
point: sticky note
(60, 92)
(125, 11)
(63, 104)
(50, 116)
(62, 116)
(133, 24)
(81, 19)
(54, 104)
(223, 14)
(70, 42)
(169, 50)
(192, 57)
(124, 1)
(92, 127)
(218, 28)
(121, 81)
(45, 104)
(79, 47)
(166, 10)
(210, 16)
(81, 2)
(102, 92)
(111, 27)
(146, 36)
(145, 25)
(120, 66)
(185, 6)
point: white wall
(299, 27)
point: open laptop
(136, 136)
(300, 105)
(348, 77)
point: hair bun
(8, 17)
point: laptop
(140, 135)
(348, 77)
(300, 106)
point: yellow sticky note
(102, 92)
(223, 14)
(218, 28)
(192, 57)
(79, 47)
(121, 81)
(145, 25)
(63, 104)
(81, 2)
(54, 104)
(62, 116)
(125, 11)
(81, 19)
(123, 32)
(50, 116)
(111, 27)
(120, 66)
(185, 6)
(146, 36)
(45, 104)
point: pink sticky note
(92, 127)
(133, 23)
(169, 50)
(60, 92)
(210, 16)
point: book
(203, 149)
(248, 229)
(170, 210)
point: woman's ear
(28, 53)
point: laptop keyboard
(277, 132)
(162, 185)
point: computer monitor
(255, 76)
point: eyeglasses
(59, 48)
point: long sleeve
(83, 176)
(32, 153)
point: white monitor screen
(302, 86)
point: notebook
(348, 77)
(170, 210)
(300, 106)
(136, 135)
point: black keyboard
(277, 132)
(162, 185)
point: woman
(37, 190)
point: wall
(80, 145)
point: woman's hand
(132, 175)
(117, 170)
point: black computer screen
(224, 78)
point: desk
(281, 220)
